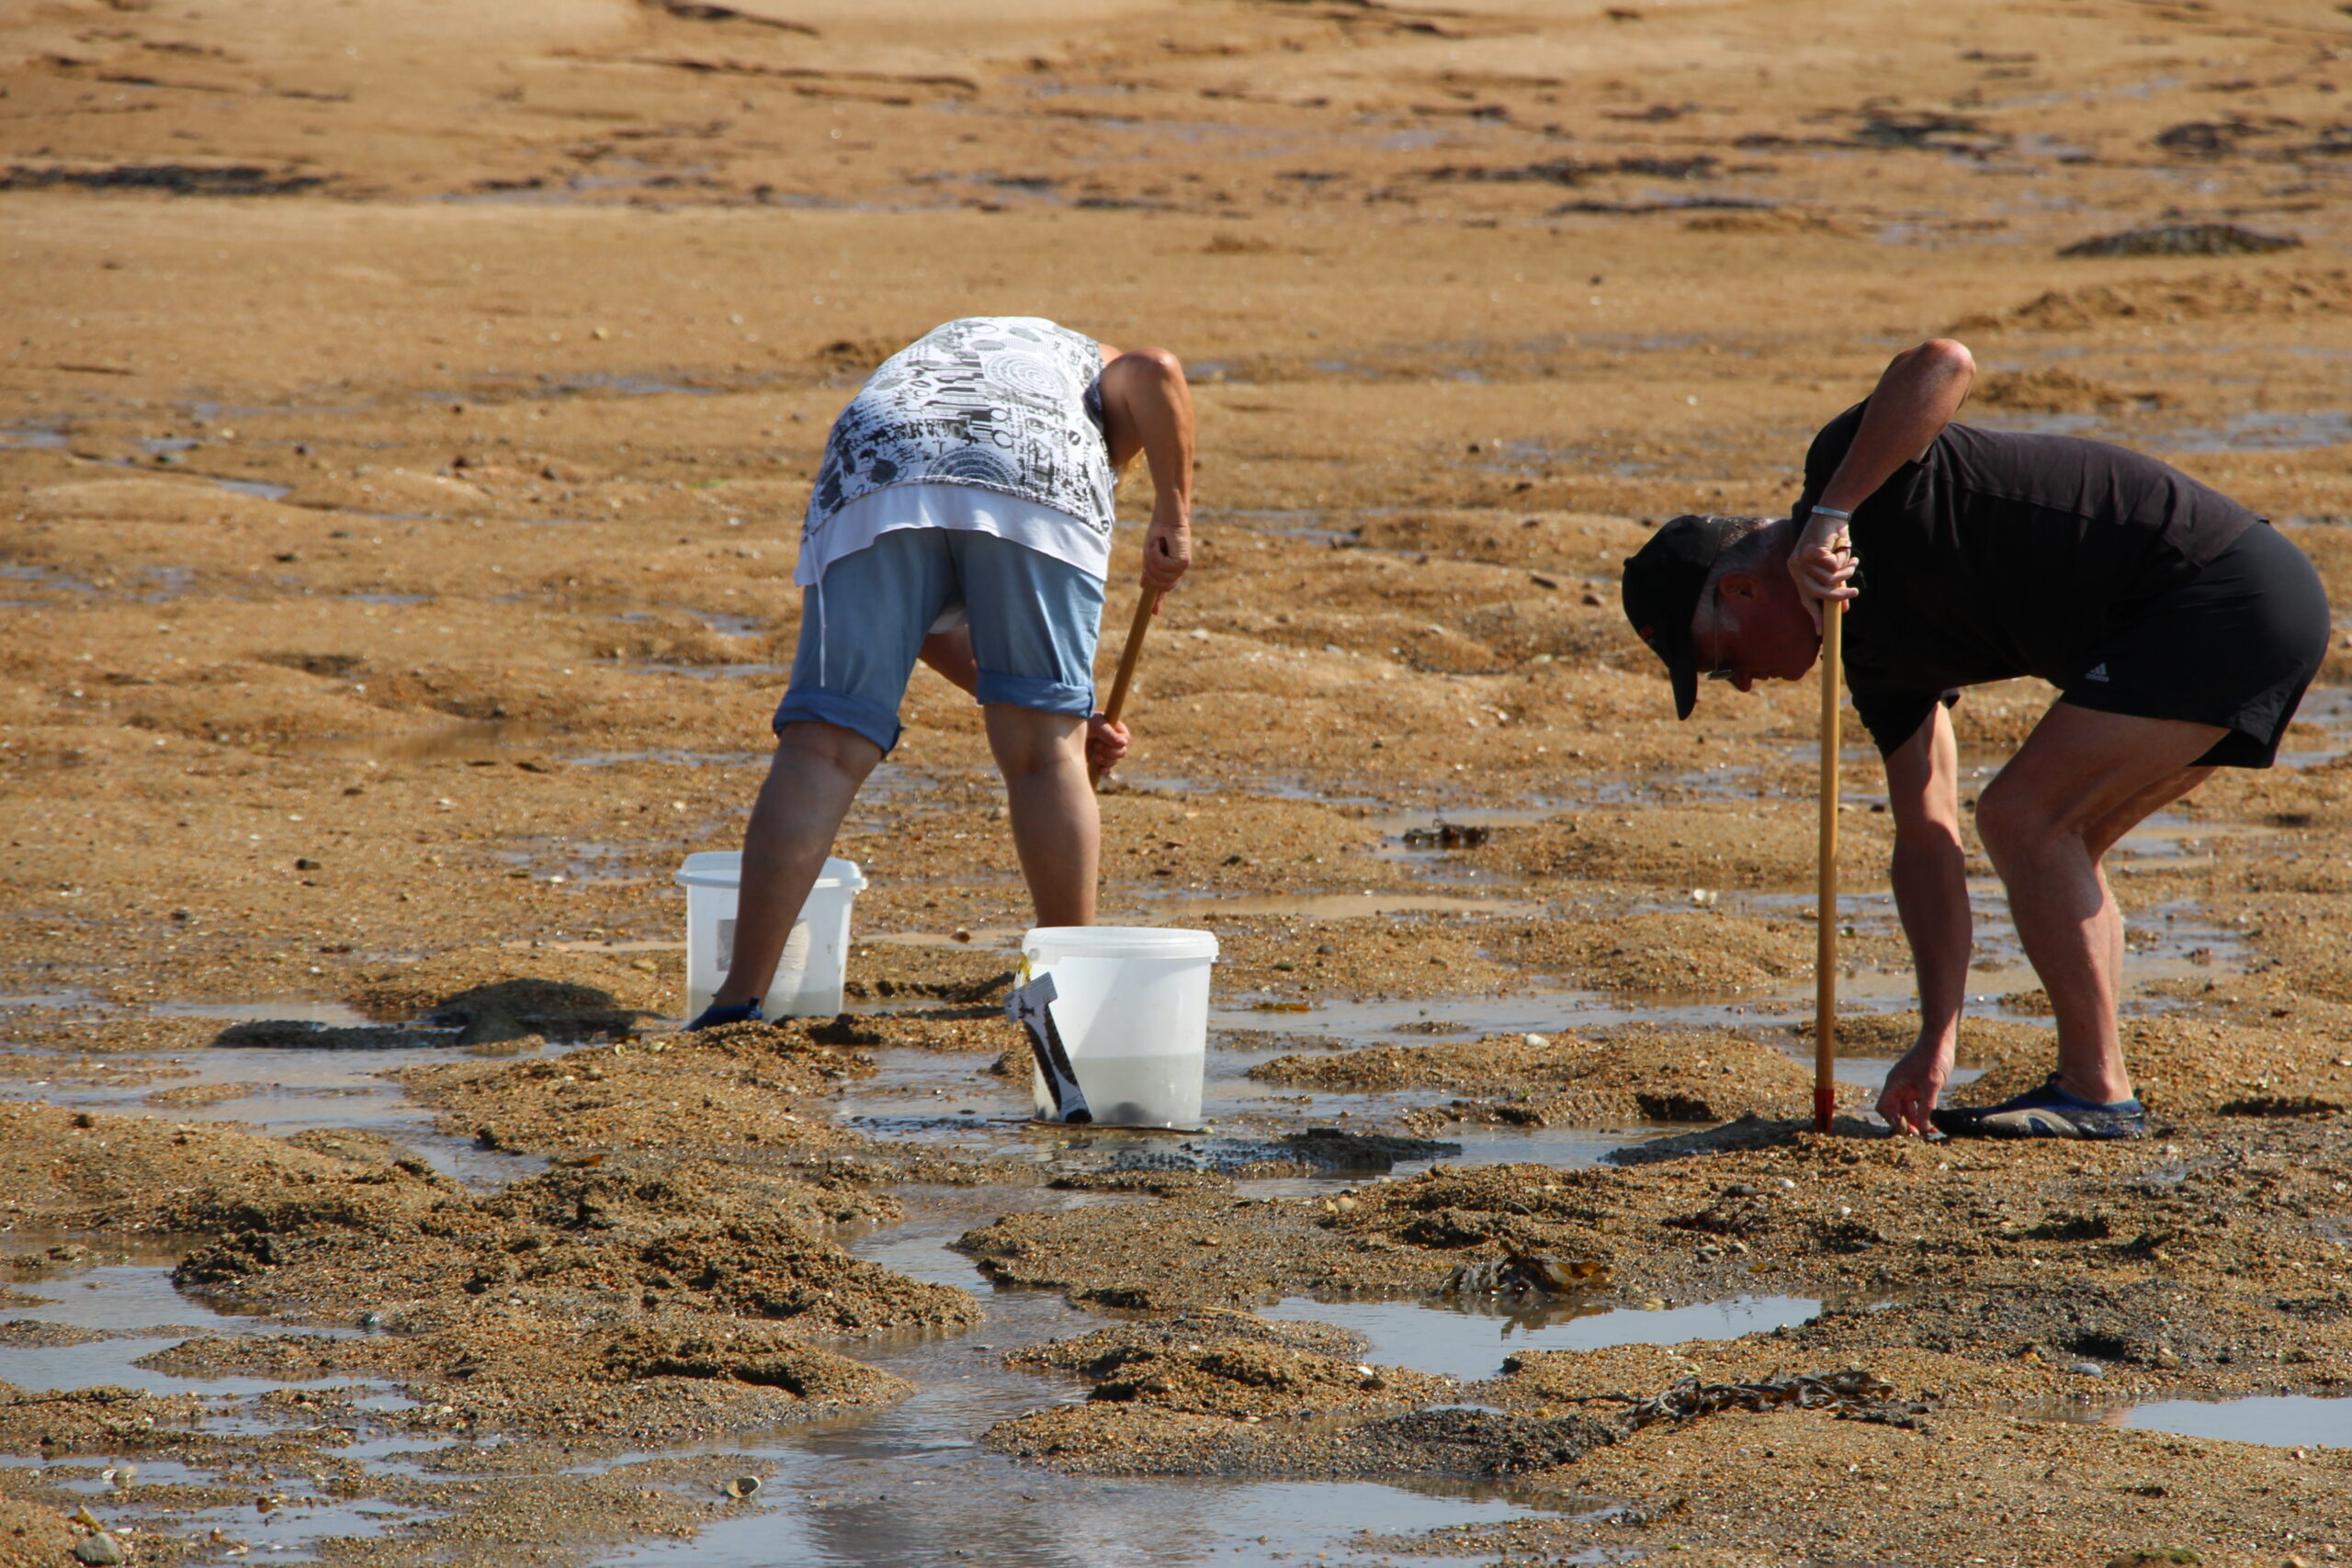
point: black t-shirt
(1998, 555)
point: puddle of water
(1345, 906)
(44, 577)
(729, 625)
(297, 1088)
(1420, 839)
(631, 386)
(2278, 1420)
(1426, 1019)
(128, 1298)
(306, 1517)
(2268, 431)
(20, 439)
(575, 861)
(951, 1102)
(709, 671)
(2328, 709)
(329, 1015)
(1468, 1338)
(2265, 430)
(1869, 1072)
(260, 489)
(911, 1484)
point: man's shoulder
(2057, 468)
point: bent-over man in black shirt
(2179, 628)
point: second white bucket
(808, 981)
(1132, 1003)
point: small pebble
(100, 1548)
(2087, 1370)
(1534, 1042)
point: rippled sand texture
(405, 414)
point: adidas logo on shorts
(2096, 672)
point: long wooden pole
(1145, 607)
(1824, 956)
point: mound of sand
(2183, 240)
(62, 1170)
(2054, 391)
(640, 1384)
(1633, 1073)
(1233, 1364)
(2202, 297)
(1749, 844)
(2196, 1066)
(31, 1533)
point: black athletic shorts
(2235, 647)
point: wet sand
(406, 417)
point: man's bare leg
(1055, 827)
(812, 781)
(2082, 780)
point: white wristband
(1830, 512)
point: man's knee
(1028, 743)
(2011, 823)
(814, 740)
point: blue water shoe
(734, 1012)
(2048, 1112)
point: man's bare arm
(1915, 397)
(1148, 408)
(1931, 895)
(1920, 394)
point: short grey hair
(1743, 546)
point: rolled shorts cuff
(1033, 692)
(843, 711)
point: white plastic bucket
(808, 984)
(1132, 1003)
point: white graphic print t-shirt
(991, 422)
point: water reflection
(1467, 1336)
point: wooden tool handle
(1825, 956)
(1145, 608)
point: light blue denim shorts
(1035, 624)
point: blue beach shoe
(714, 1015)
(2048, 1112)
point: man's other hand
(1912, 1086)
(1820, 565)
(1106, 744)
(1167, 546)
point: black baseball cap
(1662, 581)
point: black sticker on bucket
(1030, 1006)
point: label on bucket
(1031, 1007)
(795, 948)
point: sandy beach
(406, 417)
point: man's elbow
(1158, 365)
(1944, 356)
